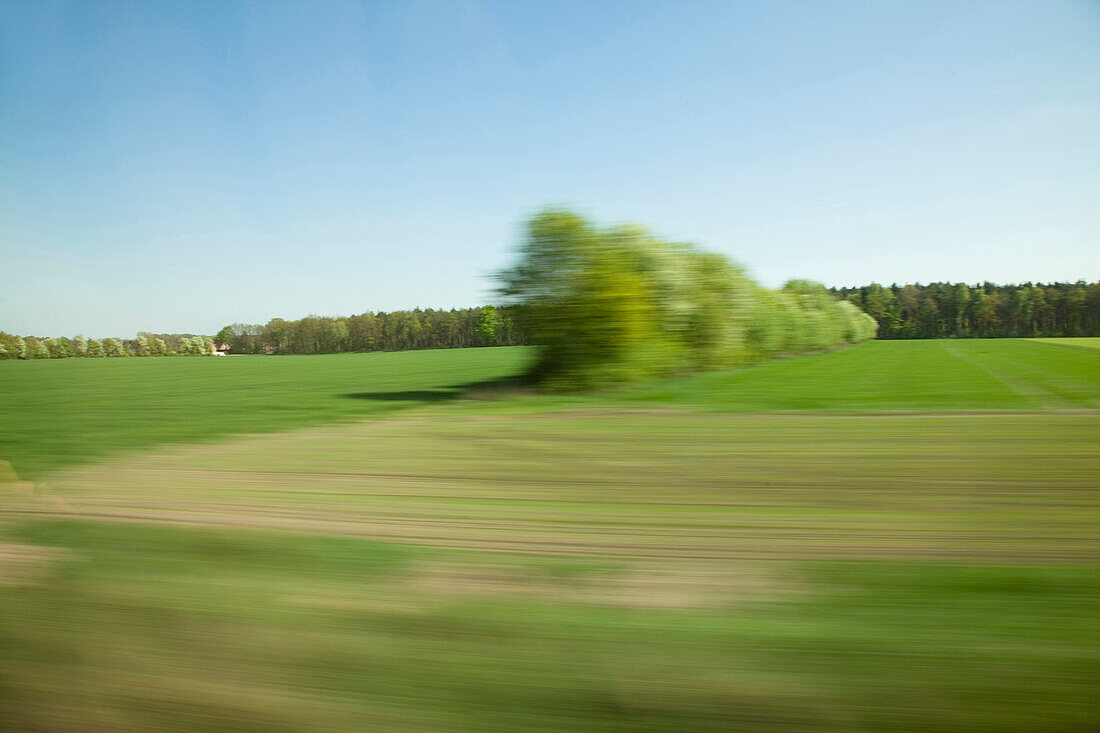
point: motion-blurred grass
(618, 561)
(156, 628)
(635, 483)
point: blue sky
(174, 166)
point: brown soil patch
(25, 564)
(653, 587)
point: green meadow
(901, 535)
(1086, 342)
(67, 411)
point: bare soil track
(644, 485)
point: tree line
(79, 346)
(613, 305)
(958, 310)
(395, 331)
(607, 306)
(372, 331)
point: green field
(898, 536)
(975, 375)
(1088, 342)
(68, 411)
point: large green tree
(613, 305)
(489, 325)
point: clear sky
(177, 166)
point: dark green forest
(958, 310)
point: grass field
(68, 411)
(1092, 342)
(977, 375)
(898, 536)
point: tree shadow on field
(487, 389)
(421, 395)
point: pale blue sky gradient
(174, 166)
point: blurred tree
(226, 336)
(489, 325)
(113, 347)
(615, 305)
(37, 350)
